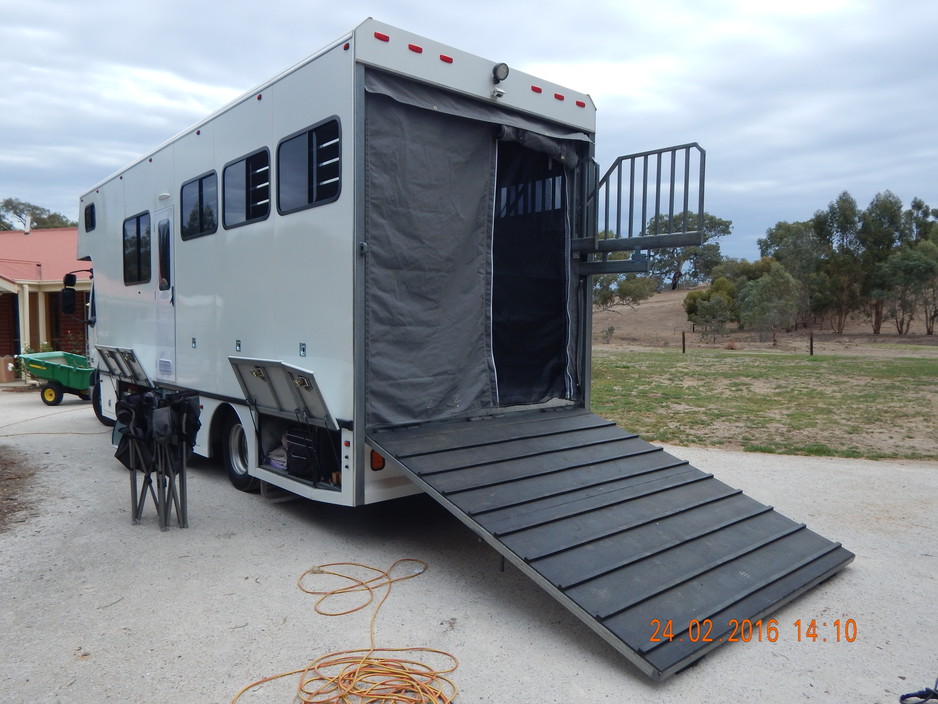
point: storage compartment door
(277, 389)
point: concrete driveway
(95, 609)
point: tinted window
(309, 168)
(136, 242)
(89, 217)
(199, 204)
(247, 189)
(163, 234)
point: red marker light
(537, 89)
(580, 104)
(446, 59)
(380, 36)
(416, 49)
(558, 96)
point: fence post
(811, 343)
(683, 341)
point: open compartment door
(275, 388)
(122, 363)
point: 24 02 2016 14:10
(746, 630)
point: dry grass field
(659, 322)
(860, 395)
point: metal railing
(644, 201)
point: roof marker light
(559, 96)
(580, 104)
(416, 49)
(381, 36)
(346, 46)
(446, 59)
(537, 89)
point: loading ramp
(620, 532)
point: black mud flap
(656, 556)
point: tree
(741, 271)
(907, 276)
(633, 289)
(921, 219)
(842, 273)
(837, 228)
(796, 247)
(883, 227)
(770, 302)
(929, 248)
(693, 263)
(626, 289)
(15, 213)
(714, 307)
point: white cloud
(795, 101)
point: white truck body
(286, 286)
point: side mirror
(67, 299)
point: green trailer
(62, 372)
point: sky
(794, 101)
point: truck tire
(96, 404)
(52, 393)
(234, 453)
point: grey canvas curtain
(431, 178)
(429, 185)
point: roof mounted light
(499, 73)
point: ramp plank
(617, 530)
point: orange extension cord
(369, 675)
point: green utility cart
(62, 372)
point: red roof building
(32, 265)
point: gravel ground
(98, 610)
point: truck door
(165, 298)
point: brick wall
(9, 333)
(67, 333)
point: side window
(199, 203)
(309, 168)
(137, 249)
(163, 235)
(247, 189)
(89, 217)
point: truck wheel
(96, 405)
(234, 452)
(52, 393)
